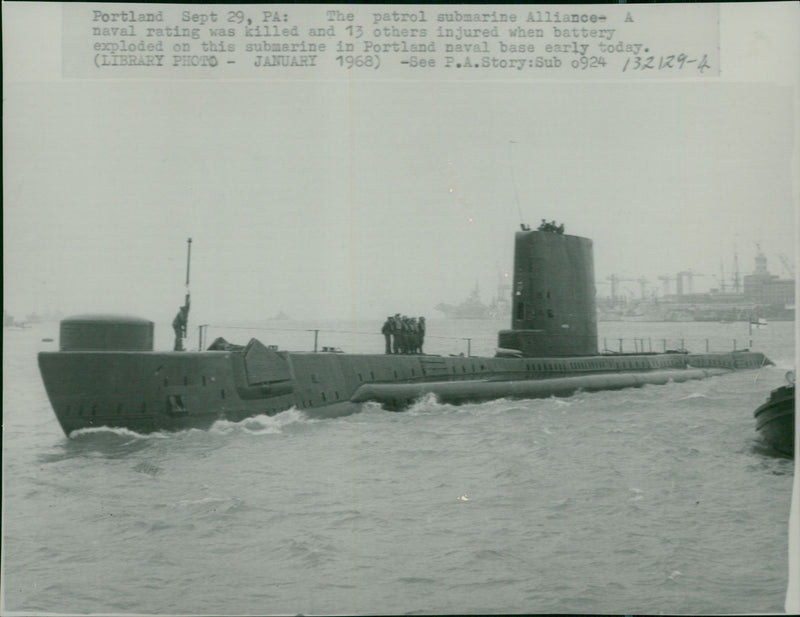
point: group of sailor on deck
(404, 335)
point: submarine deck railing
(463, 345)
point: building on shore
(761, 295)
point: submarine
(107, 374)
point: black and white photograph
(348, 309)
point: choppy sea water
(659, 499)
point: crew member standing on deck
(421, 326)
(179, 324)
(405, 342)
(387, 334)
(396, 333)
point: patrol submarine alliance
(106, 372)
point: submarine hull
(169, 391)
(106, 373)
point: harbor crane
(643, 282)
(616, 280)
(787, 264)
(666, 280)
(689, 275)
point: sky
(358, 199)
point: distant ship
(106, 372)
(473, 308)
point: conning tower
(553, 300)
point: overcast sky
(360, 199)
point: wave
(254, 425)
(101, 442)
(694, 395)
(119, 432)
(214, 506)
(429, 403)
(115, 442)
(262, 424)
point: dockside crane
(643, 283)
(787, 264)
(665, 280)
(689, 275)
(615, 280)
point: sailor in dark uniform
(179, 324)
(405, 344)
(387, 334)
(400, 334)
(396, 333)
(421, 334)
(412, 335)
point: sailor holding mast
(179, 324)
(181, 320)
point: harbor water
(649, 500)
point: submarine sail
(553, 299)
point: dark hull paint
(775, 420)
(153, 391)
(395, 396)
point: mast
(188, 266)
(188, 261)
(736, 283)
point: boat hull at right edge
(775, 420)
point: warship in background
(11, 322)
(472, 307)
(753, 297)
